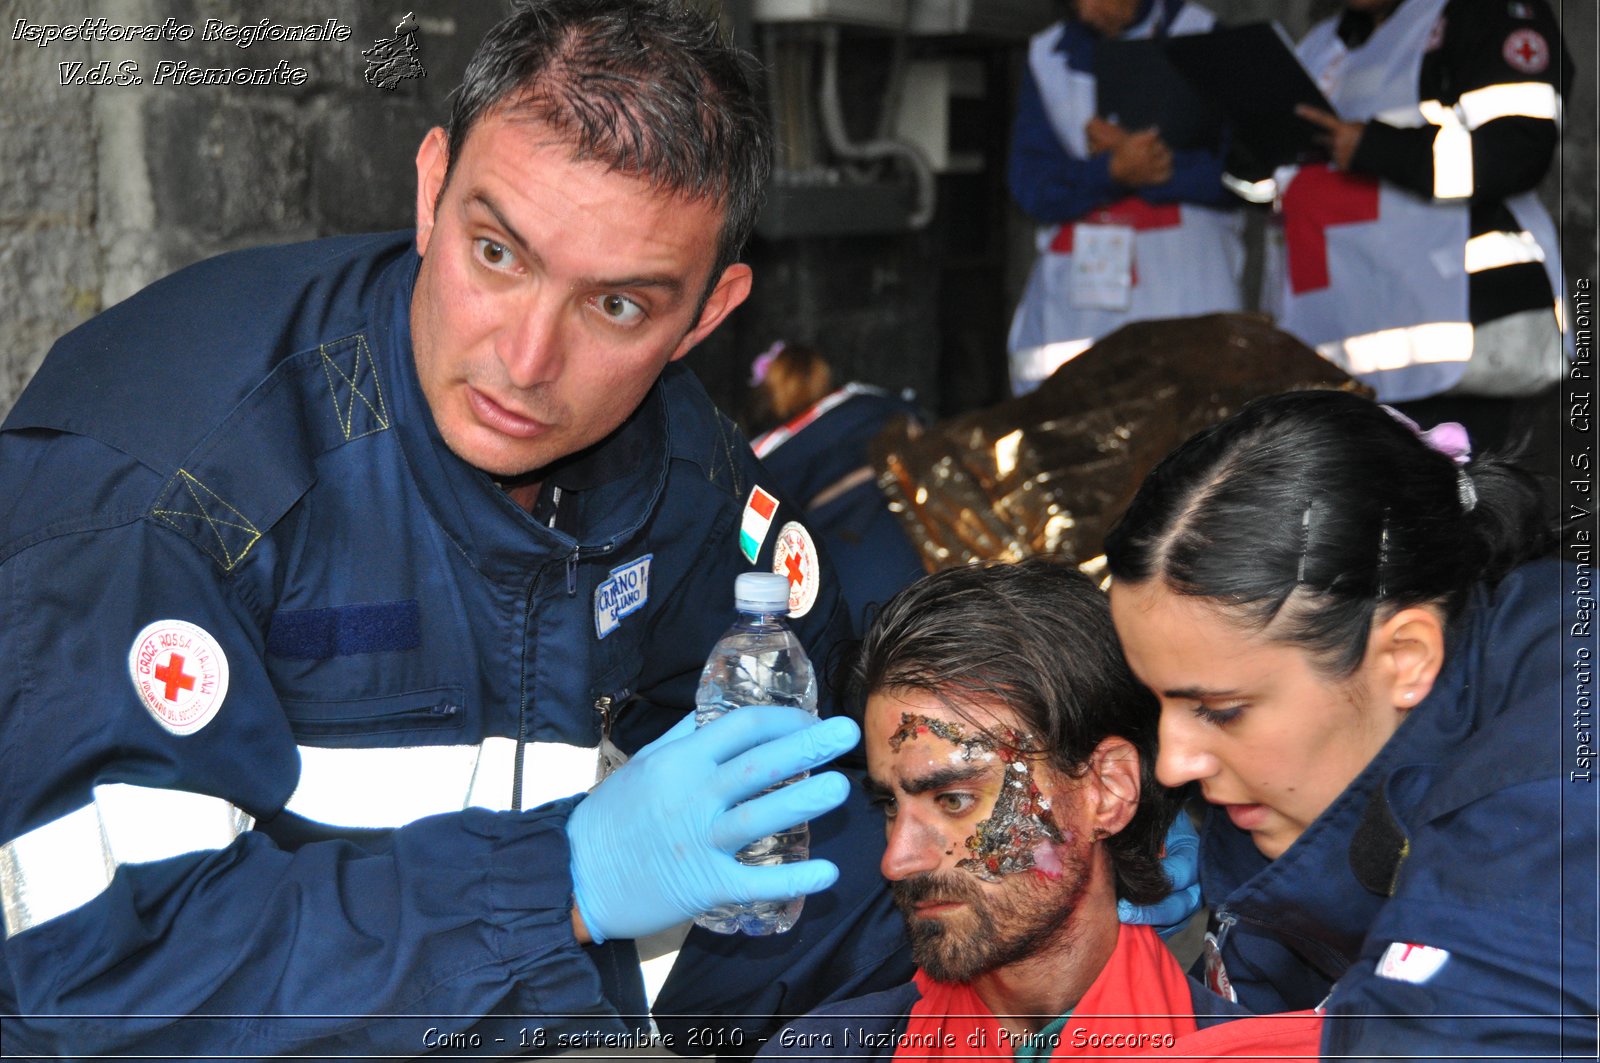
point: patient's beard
(1003, 923)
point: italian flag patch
(758, 514)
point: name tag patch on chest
(1102, 267)
(624, 591)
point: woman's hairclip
(1450, 439)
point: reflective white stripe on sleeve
(1452, 152)
(1397, 348)
(68, 862)
(1406, 116)
(1452, 144)
(1496, 249)
(1251, 191)
(387, 788)
(1518, 99)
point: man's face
(988, 854)
(552, 293)
(1109, 18)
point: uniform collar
(614, 456)
(1311, 895)
(620, 479)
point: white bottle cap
(761, 592)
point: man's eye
(955, 804)
(620, 308)
(885, 804)
(493, 253)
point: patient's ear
(1110, 788)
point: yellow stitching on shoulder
(377, 381)
(333, 394)
(190, 482)
(346, 418)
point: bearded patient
(1012, 755)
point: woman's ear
(1408, 649)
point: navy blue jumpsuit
(297, 702)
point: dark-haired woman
(1362, 670)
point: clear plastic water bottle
(759, 661)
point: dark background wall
(106, 188)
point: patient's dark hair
(1036, 637)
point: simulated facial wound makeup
(1019, 833)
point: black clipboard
(1137, 87)
(1252, 75)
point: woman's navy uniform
(1446, 899)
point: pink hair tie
(763, 363)
(1450, 439)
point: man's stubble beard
(997, 928)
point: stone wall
(50, 264)
(104, 188)
(107, 187)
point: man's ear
(732, 288)
(1408, 650)
(1111, 785)
(433, 160)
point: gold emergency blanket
(1049, 473)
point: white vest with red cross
(1175, 259)
(1374, 276)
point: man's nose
(913, 848)
(531, 347)
(1183, 754)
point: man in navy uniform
(312, 669)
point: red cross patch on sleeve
(795, 558)
(180, 674)
(1526, 50)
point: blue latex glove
(1181, 862)
(652, 845)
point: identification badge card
(1216, 973)
(1102, 267)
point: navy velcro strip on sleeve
(346, 630)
